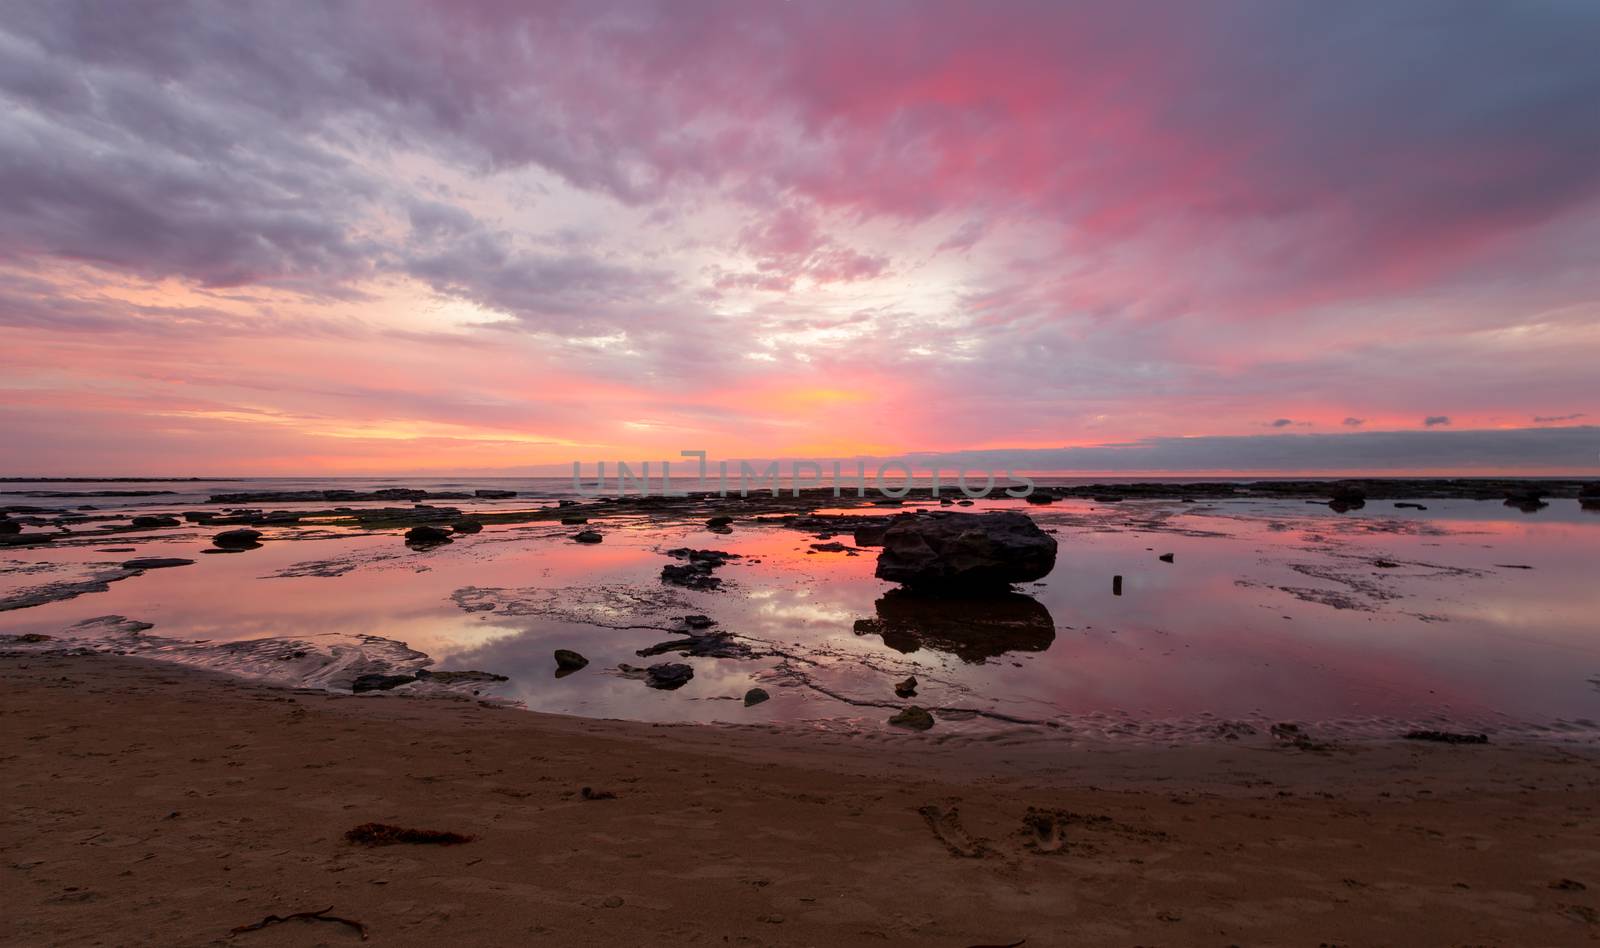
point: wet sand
(147, 803)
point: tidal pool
(1467, 615)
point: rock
(1107, 498)
(149, 522)
(1038, 498)
(10, 526)
(156, 562)
(704, 645)
(1116, 585)
(467, 526)
(574, 521)
(667, 676)
(696, 574)
(1401, 505)
(1345, 497)
(913, 718)
(1166, 557)
(566, 503)
(690, 577)
(587, 536)
(424, 535)
(456, 677)
(699, 622)
(1447, 737)
(966, 551)
(907, 688)
(237, 539)
(719, 522)
(833, 547)
(487, 494)
(963, 503)
(1527, 500)
(755, 696)
(568, 661)
(379, 682)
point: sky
(351, 238)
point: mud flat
(586, 832)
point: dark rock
(156, 562)
(467, 526)
(668, 676)
(973, 628)
(1447, 737)
(424, 535)
(10, 526)
(237, 539)
(1401, 505)
(494, 494)
(690, 577)
(1343, 497)
(699, 622)
(1108, 498)
(1116, 585)
(1527, 500)
(566, 503)
(913, 718)
(150, 522)
(719, 521)
(834, 547)
(696, 574)
(907, 688)
(970, 551)
(573, 521)
(379, 682)
(704, 645)
(1037, 497)
(755, 696)
(568, 661)
(963, 503)
(1166, 557)
(587, 536)
(456, 677)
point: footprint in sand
(946, 824)
(1043, 829)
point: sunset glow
(503, 237)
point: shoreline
(207, 802)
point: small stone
(914, 718)
(425, 535)
(587, 536)
(755, 696)
(1166, 557)
(574, 521)
(237, 539)
(467, 526)
(156, 562)
(379, 682)
(719, 521)
(569, 661)
(907, 688)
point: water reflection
(972, 628)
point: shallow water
(1466, 615)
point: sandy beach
(147, 803)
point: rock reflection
(973, 628)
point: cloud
(1074, 222)
(1433, 421)
(1552, 419)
